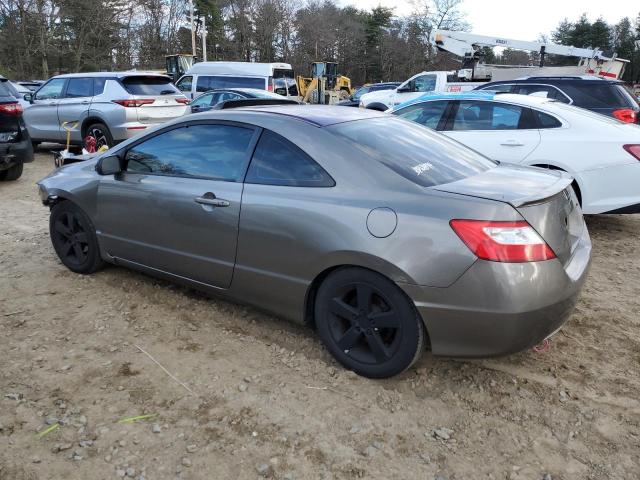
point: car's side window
(277, 161)
(545, 120)
(185, 83)
(424, 83)
(481, 115)
(203, 100)
(79, 87)
(98, 86)
(51, 90)
(551, 92)
(216, 151)
(427, 114)
(504, 88)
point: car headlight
(8, 136)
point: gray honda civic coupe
(382, 235)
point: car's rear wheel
(12, 173)
(101, 134)
(367, 323)
(74, 238)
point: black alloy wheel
(368, 324)
(74, 239)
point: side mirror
(28, 97)
(109, 165)
(404, 89)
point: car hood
(512, 184)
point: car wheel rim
(71, 239)
(101, 138)
(364, 324)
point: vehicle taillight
(11, 108)
(184, 101)
(134, 103)
(270, 88)
(627, 115)
(633, 150)
(512, 242)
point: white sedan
(602, 154)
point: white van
(205, 76)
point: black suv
(608, 97)
(15, 143)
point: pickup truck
(416, 86)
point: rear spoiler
(253, 102)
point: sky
(520, 19)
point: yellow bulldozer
(325, 86)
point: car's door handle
(512, 143)
(86, 102)
(210, 199)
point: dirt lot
(261, 397)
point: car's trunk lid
(544, 198)
(162, 109)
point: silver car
(110, 107)
(380, 234)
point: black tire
(12, 173)
(101, 133)
(351, 307)
(35, 145)
(74, 238)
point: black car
(215, 99)
(608, 97)
(354, 99)
(15, 143)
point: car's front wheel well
(574, 184)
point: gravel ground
(252, 396)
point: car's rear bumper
(12, 153)
(501, 308)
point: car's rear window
(148, 85)
(213, 82)
(420, 155)
(605, 95)
(4, 89)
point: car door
(415, 88)
(175, 206)
(73, 108)
(41, 117)
(501, 131)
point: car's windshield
(425, 157)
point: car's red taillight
(633, 150)
(184, 101)
(627, 115)
(270, 88)
(11, 108)
(129, 103)
(512, 242)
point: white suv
(110, 107)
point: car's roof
(578, 79)
(252, 91)
(132, 73)
(529, 100)
(319, 115)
